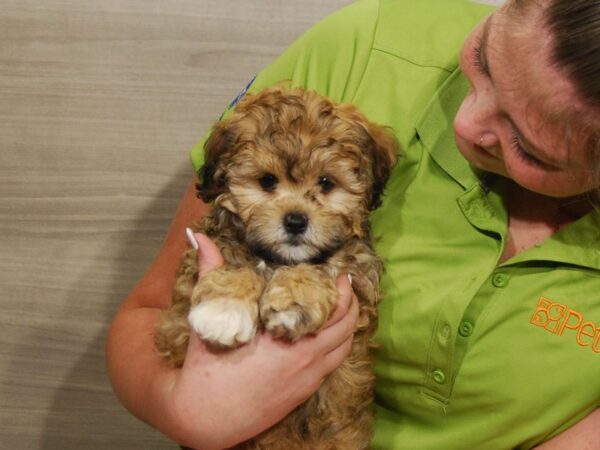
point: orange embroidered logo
(563, 321)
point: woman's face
(500, 126)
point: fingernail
(350, 279)
(190, 235)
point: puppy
(292, 177)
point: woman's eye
(326, 184)
(268, 182)
(523, 154)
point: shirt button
(438, 376)
(500, 280)
(465, 329)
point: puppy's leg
(298, 300)
(224, 307)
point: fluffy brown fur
(293, 177)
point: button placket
(439, 372)
(459, 311)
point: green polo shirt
(472, 354)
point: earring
(481, 141)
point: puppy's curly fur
(293, 178)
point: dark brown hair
(574, 27)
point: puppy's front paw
(224, 322)
(224, 307)
(298, 301)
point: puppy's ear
(384, 154)
(213, 181)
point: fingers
(209, 256)
(336, 334)
(344, 299)
(342, 338)
(194, 350)
(334, 359)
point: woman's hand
(221, 398)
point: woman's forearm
(144, 385)
(134, 367)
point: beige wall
(100, 101)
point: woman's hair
(574, 27)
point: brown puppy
(293, 177)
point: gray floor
(100, 101)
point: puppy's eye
(326, 184)
(268, 182)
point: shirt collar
(436, 131)
(576, 244)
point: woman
(489, 334)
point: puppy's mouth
(295, 241)
(293, 251)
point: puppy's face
(300, 172)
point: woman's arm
(217, 399)
(584, 435)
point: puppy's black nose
(295, 223)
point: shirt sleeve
(330, 58)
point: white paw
(224, 322)
(287, 320)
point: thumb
(209, 256)
(195, 350)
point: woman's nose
(474, 121)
